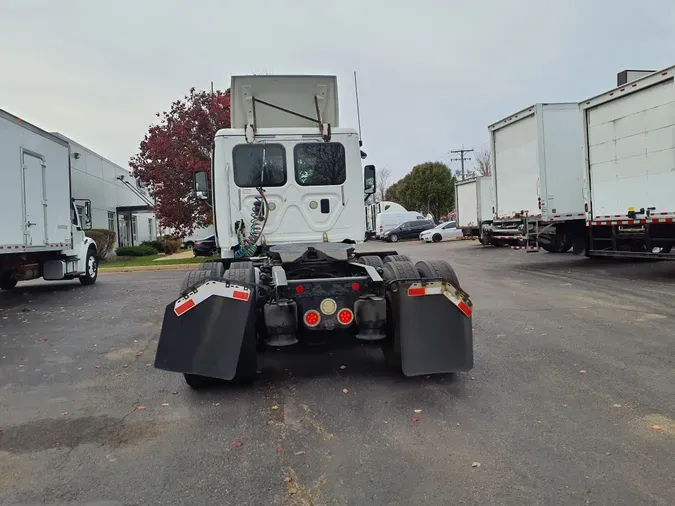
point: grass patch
(150, 260)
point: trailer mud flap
(436, 335)
(203, 331)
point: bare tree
(483, 162)
(383, 176)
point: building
(118, 202)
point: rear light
(416, 292)
(328, 306)
(197, 243)
(356, 287)
(345, 316)
(299, 289)
(312, 318)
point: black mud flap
(203, 331)
(434, 320)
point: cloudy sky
(432, 74)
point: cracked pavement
(74, 373)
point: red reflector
(464, 308)
(299, 289)
(416, 292)
(239, 295)
(356, 287)
(188, 304)
(664, 73)
(345, 316)
(312, 318)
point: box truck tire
(7, 280)
(91, 268)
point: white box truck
(466, 207)
(629, 168)
(537, 178)
(41, 233)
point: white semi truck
(473, 205)
(629, 168)
(42, 229)
(537, 182)
(287, 189)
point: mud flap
(434, 320)
(202, 332)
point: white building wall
(95, 178)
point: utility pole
(461, 157)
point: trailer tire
(91, 265)
(437, 238)
(396, 258)
(437, 269)
(394, 270)
(372, 260)
(245, 265)
(247, 365)
(7, 281)
(215, 267)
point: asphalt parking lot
(571, 401)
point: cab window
(259, 165)
(320, 164)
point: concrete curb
(145, 268)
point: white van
(388, 220)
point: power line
(461, 158)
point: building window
(134, 229)
(111, 221)
(150, 234)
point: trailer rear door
(34, 199)
(631, 151)
(516, 164)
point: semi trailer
(629, 168)
(42, 233)
(473, 205)
(537, 182)
(287, 189)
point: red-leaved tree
(172, 151)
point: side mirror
(369, 179)
(201, 184)
(87, 216)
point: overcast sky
(432, 74)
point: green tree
(428, 188)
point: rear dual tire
(247, 364)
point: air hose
(259, 214)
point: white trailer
(536, 178)
(629, 168)
(466, 207)
(483, 206)
(40, 233)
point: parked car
(447, 231)
(407, 230)
(206, 247)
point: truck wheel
(391, 347)
(216, 268)
(437, 269)
(396, 258)
(196, 381)
(372, 260)
(248, 356)
(196, 277)
(7, 280)
(241, 265)
(91, 268)
(436, 238)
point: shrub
(158, 245)
(171, 244)
(136, 251)
(105, 240)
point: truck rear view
(288, 191)
(537, 178)
(629, 170)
